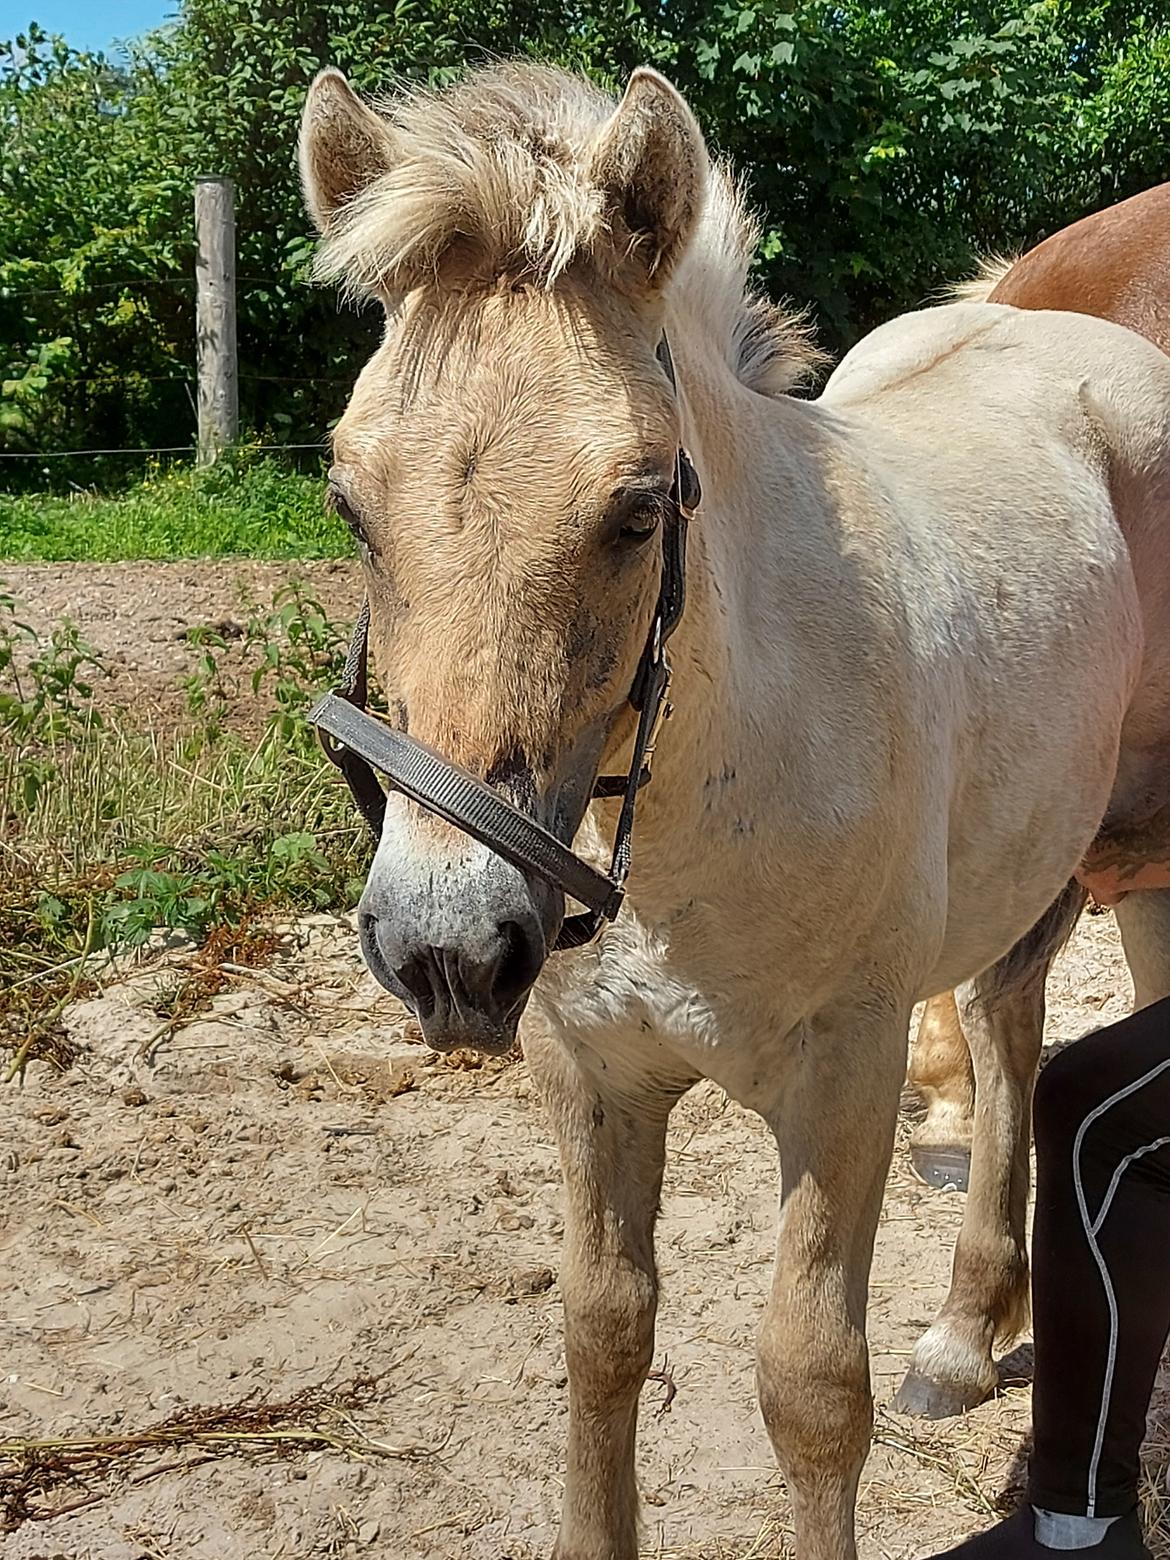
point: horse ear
(344, 146)
(650, 163)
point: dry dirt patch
(294, 1202)
(138, 617)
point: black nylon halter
(358, 743)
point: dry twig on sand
(41, 1030)
(32, 1469)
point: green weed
(110, 829)
(293, 646)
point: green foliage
(292, 647)
(48, 695)
(297, 645)
(96, 175)
(883, 144)
(163, 889)
(238, 507)
(96, 313)
(886, 144)
(111, 830)
(45, 700)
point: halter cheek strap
(359, 744)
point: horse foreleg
(952, 1368)
(612, 1148)
(940, 1069)
(835, 1130)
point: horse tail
(1030, 958)
(978, 288)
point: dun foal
(905, 683)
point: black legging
(1101, 1255)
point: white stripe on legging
(1091, 1228)
(1138, 1153)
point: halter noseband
(359, 744)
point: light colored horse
(905, 684)
(1115, 265)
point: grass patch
(110, 829)
(242, 507)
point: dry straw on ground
(34, 1470)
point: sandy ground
(291, 1196)
(294, 1195)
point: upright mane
(976, 289)
(494, 173)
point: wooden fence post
(215, 317)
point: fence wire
(165, 449)
(189, 284)
(142, 281)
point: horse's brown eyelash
(646, 516)
(336, 501)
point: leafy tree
(884, 145)
(91, 339)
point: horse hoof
(943, 1169)
(921, 1398)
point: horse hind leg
(1144, 922)
(941, 1073)
(953, 1368)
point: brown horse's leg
(941, 1071)
(612, 1146)
(952, 1368)
(835, 1130)
(1144, 921)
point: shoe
(1015, 1539)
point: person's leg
(1101, 1289)
(1101, 1255)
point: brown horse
(1115, 265)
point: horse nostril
(417, 976)
(519, 964)
(441, 983)
(410, 976)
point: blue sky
(88, 24)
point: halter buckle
(662, 714)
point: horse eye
(640, 520)
(645, 524)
